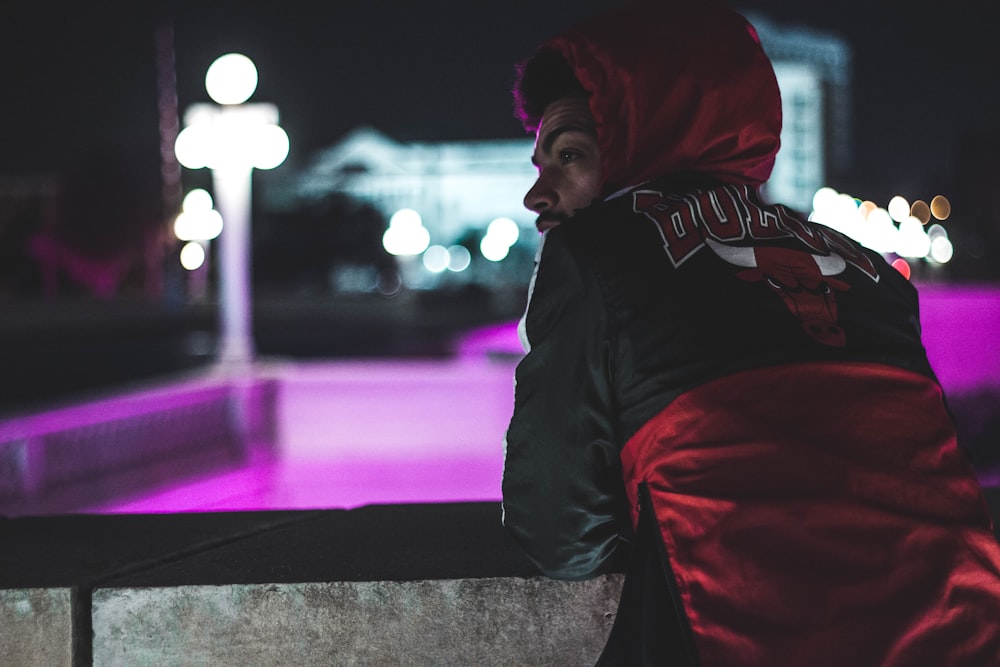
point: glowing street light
(197, 221)
(197, 224)
(406, 234)
(915, 238)
(501, 234)
(232, 139)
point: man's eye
(568, 155)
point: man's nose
(541, 196)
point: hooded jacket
(735, 395)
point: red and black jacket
(779, 420)
(754, 382)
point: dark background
(74, 75)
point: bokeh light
(197, 221)
(505, 230)
(882, 233)
(941, 249)
(226, 141)
(197, 200)
(270, 147)
(940, 207)
(921, 211)
(913, 241)
(459, 258)
(899, 208)
(436, 258)
(193, 146)
(198, 225)
(192, 255)
(823, 198)
(899, 229)
(866, 207)
(493, 248)
(231, 79)
(902, 266)
(501, 234)
(406, 234)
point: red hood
(667, 96)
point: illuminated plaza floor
(315, 484)
(358, 433)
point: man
(732, 398)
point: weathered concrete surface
(36, 627)
(495, 621)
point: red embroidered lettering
(722, 217)
(675, 219)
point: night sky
(79, 77)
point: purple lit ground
(961, 327)
(356, 433)
(292, 483)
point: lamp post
(232, 139)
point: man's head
(552, 103)
(675, 86)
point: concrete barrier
(493, 621)
(36, 627)
(430, 584)
(422, 584)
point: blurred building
(814, 74)
(451, 191)
(456, 187)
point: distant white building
(456, 187)
(814, 74)
(459, 187)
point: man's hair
(540, 81)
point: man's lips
(547, 221)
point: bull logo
(802, 280)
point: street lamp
(232, 139)
(197, 224)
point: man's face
(568, 161)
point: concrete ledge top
(408, 542)
(378, 542)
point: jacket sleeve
(563, 496)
